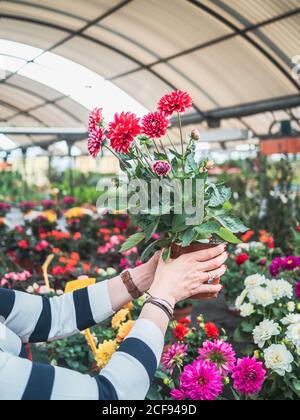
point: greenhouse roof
(235, 57)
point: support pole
(71, 175)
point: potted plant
(197, 213)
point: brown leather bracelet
(130, 286)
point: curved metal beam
(140, 64)
(244, 35)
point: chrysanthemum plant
(146, 152)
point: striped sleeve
(37, 319)
(126, 377)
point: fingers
(208, 289)
(214, 264)
(208, 254)
(216, 274)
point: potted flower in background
(147, 153)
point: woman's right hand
(177, 280)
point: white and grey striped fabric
(31, 319)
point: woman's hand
(143, 276)
(188, 275)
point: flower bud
(210, 164)
(195, 135)
(257, 354)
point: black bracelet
(161, 306)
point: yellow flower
(124, 330)
(105, 352)
(119, 318)
(50, 215)
(129, 306)
(75, 213)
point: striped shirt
(26, 318)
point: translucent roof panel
(65, 57)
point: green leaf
(220, 195)
(188, 237)
(151, 228)
(166, 254)
(160, 243)
(208, 227)
(133, 241)
(232, 223)
(247, 327)
(179, 223)
(228, 236)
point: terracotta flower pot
(177, 251)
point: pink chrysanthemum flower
(297, 290)
(174, 357)
(248, 376)
(161, 168)
(96, 138)
(155, 124)
(178, 395)
(177, 101)
(220, 353)
(200, 381)
(95, 119)
(122, 131)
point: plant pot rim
(178, 250)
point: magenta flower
(178, 395)
(248, 376)
(174, 357)
(290, 263)
(276, 266)
(220, 353)
(200, 381)
(297, 290)
(161, 168)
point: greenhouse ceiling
(235, 57)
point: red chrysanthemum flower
(155, 124)
(95, 119)
(161, 168)
(180, 331)
(123, 130)
(175, 102)
(95, 141)
(241, 259)
(212, 330)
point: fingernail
(225, 247)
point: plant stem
(164, 150)
(181, 138)
(157, 149)
(171, 141)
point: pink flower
(175, 102)
(122, 131)
(41, 246)
(178, 395)
(96, 138)
(174, 357)
(161, 168)
(290, 263)
(200, 381)
(155, 124)
(297, 290)
(220, 353)
(248, 376)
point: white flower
(247, 309)
(255, 280)
(264, 332)
(279, 359)
(261, 296)
(256, 245)
(111, 271)
(242, 248)
(240, 299)
(291, 306)
(293, 334)
(291, 319)
(280, 289)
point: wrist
(158, 292)
(141, 278)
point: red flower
(248, 235)
(175, 102)
(297, 228)
(95, 119)
(180, 331)
(241, 259)
(95, 141)
(122, 131)
(161, 168)
(58, 270)
(185, 321)
(41, 246)
(155, 124)
(212, 330)
(23, 244)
